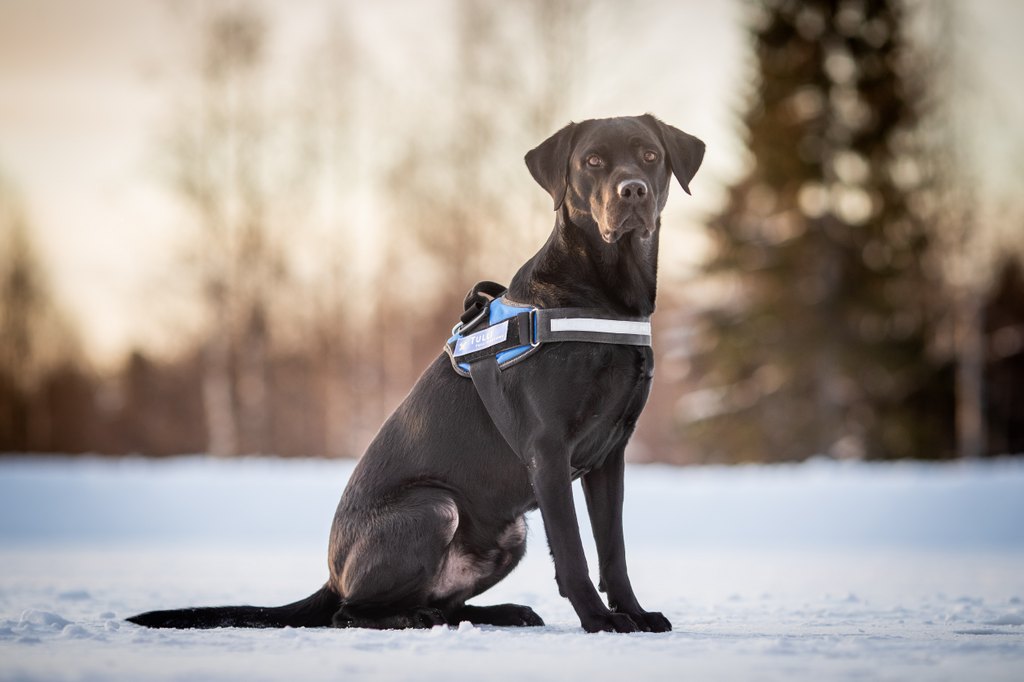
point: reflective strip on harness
(601, 326)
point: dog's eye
(650, 156)
(595, 161)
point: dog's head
(614, 173)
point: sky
(87, 87)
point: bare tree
(459, 209)
(34, 336)
(330, 178)
(220, 152)
(966, 240)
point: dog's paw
(524, 616)
(650, 621)
(610, 622)
(509, 615)
(426, 617)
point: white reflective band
(481, 340)
(595, 324)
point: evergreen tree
(820, 341)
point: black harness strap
(486, 376)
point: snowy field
(820, 571)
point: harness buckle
(534, 327)
(466, 326)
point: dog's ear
(685, 152)
(549, 163)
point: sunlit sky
(86, 86)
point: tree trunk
(218, 398)
(253, 390)
(970, 369)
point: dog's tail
(314, 611)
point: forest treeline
(856, 301)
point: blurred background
(245, 228)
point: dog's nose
(632, 190)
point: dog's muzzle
(630, 210)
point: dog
(433, 514)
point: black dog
(433, 513)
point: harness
(495, 333)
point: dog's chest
(619, 392)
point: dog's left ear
(685, 152)
(549, 163)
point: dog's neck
(576, 268)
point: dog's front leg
(603, 488)
(552, 484)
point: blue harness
(512, 332)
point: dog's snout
(632, 190)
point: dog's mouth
(628, 224)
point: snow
(822, 570)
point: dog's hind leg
(495, 564)
(387, 558)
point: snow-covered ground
(815, 571)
